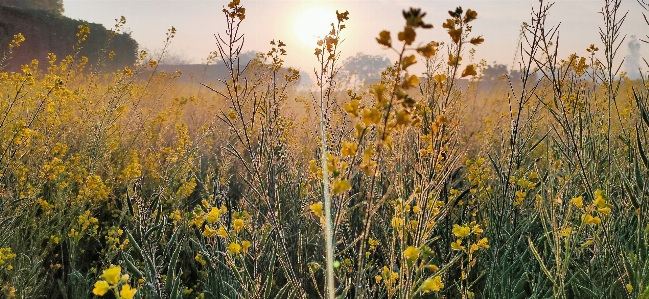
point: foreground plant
(113, 280)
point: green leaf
(171, 270)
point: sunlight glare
(313, 23)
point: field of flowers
(134, 185)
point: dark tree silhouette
(55, 6)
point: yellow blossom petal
(237, 224)
(112, 275)
(316, 208)
(234, 248)
(578, 201)
(213, 215)
(432, 284)
(411, 253)
(127, 292)
(457, 245)
(461, 231)
(246, 245)
(101, 288)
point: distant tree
(365, 67)
(494, 72)
(498, 72)
(55, 6)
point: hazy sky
(499, 21)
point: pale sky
(499, 22)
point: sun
(313, 23)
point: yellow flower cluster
(86, 225)
(478, 175)
(235, 10)
(212, 218)
(186, 189)
(134, 169)
(94, 189)
(113, 239)
(5, 256)
(176, 216)
(599, 205)
(16, 41)
(388, 276)
(199, 258)
(463, 232)
(112, 279)
(525, 183)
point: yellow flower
(429, 50)
(397, 222)
(578, 201)
(213, 215)
(10, 292)
(234, 248)
(483, 243)
(371, 116)
(384, 38)
(476, 228)
(433, 268)
(197, 221)
(245, 245)
(416, 209)
(373, 243)
(440, 78)
(408, 35)
(432, 284)
(629, 288)
(127, 292)
(411, 253)
(222, 232)
(341, 186)
(199, 258)
(209, 232)
(589, 219)
(232, 115)
(457, 245)
(394, 276)
(410, 82)
(461, 231)
(316, 208)
(352, 109)
(368, 164)
(238, 224)
(600, 203)
(101, 288)
(599, 197)
(604, 211)
(349, 149)
(112, 275)
(414, 224)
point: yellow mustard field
(446, 184)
